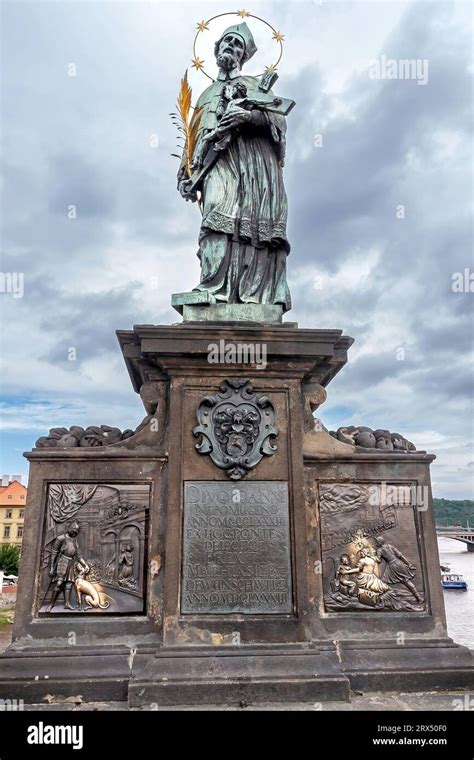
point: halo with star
(204, 26)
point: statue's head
(235, 47)
(74, 529)
(239, 90)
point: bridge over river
(466, 535)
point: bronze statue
(237, 166)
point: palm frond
(186, 122)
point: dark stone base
(94, 675)
(415, 666)
(227, 675)
(319, 646)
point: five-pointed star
(197, 63)
(278, 36)
(243, 14)
(203, 25)
(271, 68)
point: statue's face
(230, 52)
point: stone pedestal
(238, 552)
(201, 306)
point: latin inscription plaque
(236, 548)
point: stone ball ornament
(76, 436)
(366, 438)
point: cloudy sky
(380, 193)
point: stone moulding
(236, 428)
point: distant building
(12, 510)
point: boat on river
(451, 580)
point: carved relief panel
(94, 549)
(371, 558)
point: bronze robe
(243, 243)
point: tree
(454, 512)
(9, 559)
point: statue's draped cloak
(242, 243)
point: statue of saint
(243, 243)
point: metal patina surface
(236, 159)
(234, 312)
(236, 548)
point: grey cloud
(75, 181)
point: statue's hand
(183, 188)
(235, 118)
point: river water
(459, 604)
